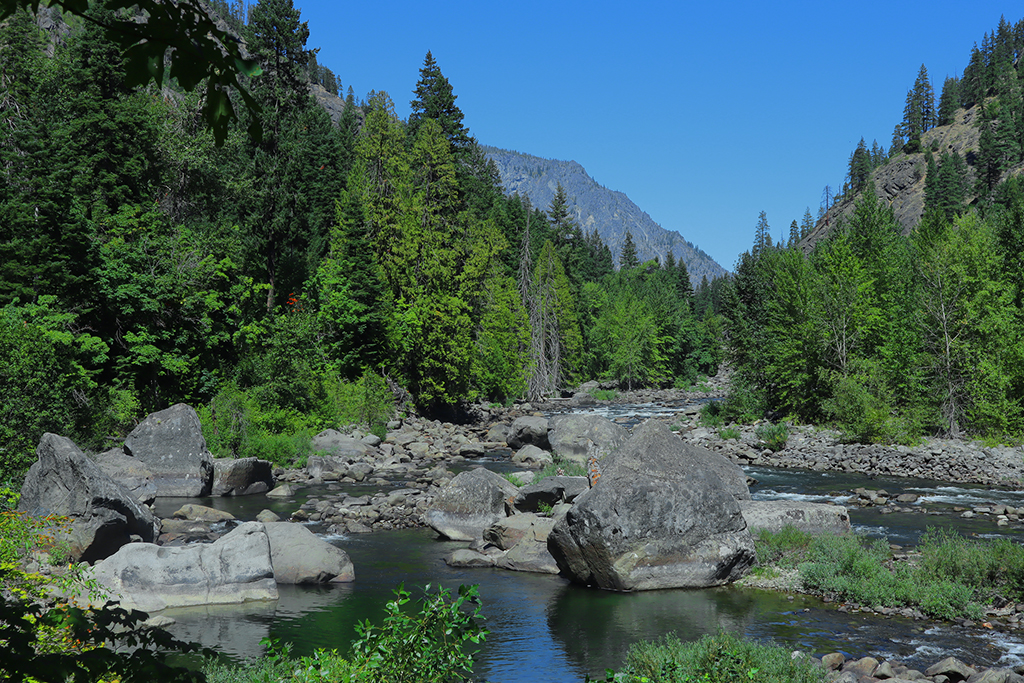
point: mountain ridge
(596, 207)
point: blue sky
(703, 114)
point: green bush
(864, 413)
(514, 480)
(561, 467)
(774, 436)
(722, 658)
(428, 645)
(729, 433)
(604, 394)
(785, 548)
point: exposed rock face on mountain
(900, 182)
(611, 213)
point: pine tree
(627, 257)
(762, 235)
(949, 100)
(436, 100)
(860, 166)
(807, 224)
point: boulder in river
(104, 514)
(299, 556)
(657, 518)
(530, 429)
(171, 444)
(577, 437)
(241, 476)
(130, 473)
(471, 502)
(236, 568)
(812, 518)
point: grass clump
(561, 467)
(514, 480)
(722, 658)
(952, 577)
(774, 436)
(604, 394)
(729, 433)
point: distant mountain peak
(594, 206)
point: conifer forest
(281, 272)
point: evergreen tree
(627, 257)
(949, 100)
(860, 166)
(762, 235)
(435, 99)
(807, 223)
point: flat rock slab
(235, 569)
(812, 518)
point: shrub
(773, 436)
(863, 411)
(424, 646)
(561, 467)
(722, 658)
(604, 394)
(729, 433)
(785, 548)
(514, 480)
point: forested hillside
(612, 214)
(293, 281)
(902, 312)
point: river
(545, 629)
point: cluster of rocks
(821, 449)
(661, 514)
(151, 563)
(949, 670)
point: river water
(545, 629)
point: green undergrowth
(951, 576)
(604, 394)
(430, 644)
(561, 467)
(722, 658)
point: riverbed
(545, 629)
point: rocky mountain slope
(611, 213)
(900, 182)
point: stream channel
(544, 629)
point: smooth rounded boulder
(470, 503)
(104, 514)
(528, 430)
(657, 518)
(300, 557)
(241, 476)
(171, 444)
(576, 436)
(236, 568)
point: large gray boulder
(171, 444)
(657, 518)
(241, 477)
(550, 491)
(130, 473)
(525, 540)
(299, 556)
(471, 502)
(576, 437)
(236, 568)
(333, 442)
(731, 474)
(104, 514)
(812, 518)
(528, 430)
